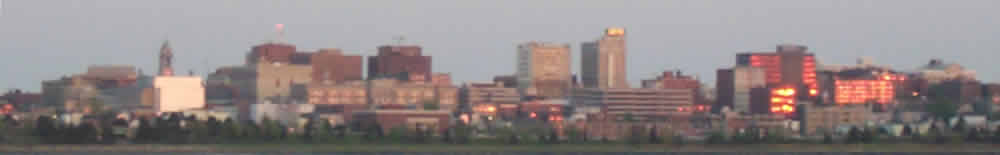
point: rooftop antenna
(280, 30)
(399, 39)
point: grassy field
(504, 148)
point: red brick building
(439, 121)
(331, 65)
(399, 61)
(271, 53)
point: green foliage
(715, 137)
(942, 110)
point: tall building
(403, 62)
(733, 87)
(166, 60)
(791, 69)
(544, 68)
(603, 64)
(791, 64)
(332, 66)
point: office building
(604, 60)
(402, 62)
(790, 64)
(641, 102)
(396, 93)
(176, 93)
(733, 87)
(333, 66)
(544, 68)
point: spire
(166, 59)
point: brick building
(332, 66)
(438, 121)
(400, 62)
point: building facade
(831, 117)
(603, 61)
(332, 66)
(400, 62)
(790, 64)
(393, 93)
(545, 68)
(176, 94)
(274, 82)
(639, 102)
(437, 121)
(733, 86)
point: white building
(178, 93)
(288, 114)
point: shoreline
(291, 148)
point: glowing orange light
(775, 109)
(491, 109)
(776, 100)
(813, 92)
(533, 115)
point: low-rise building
(391, 92)
(830, 117)
(175, 93)
(291, 115)
(641, 103)
(435, 120)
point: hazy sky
(475, 40)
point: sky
(475, 40)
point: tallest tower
(166, 60)
(603, 64)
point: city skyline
(959, 33)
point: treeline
(177, 129)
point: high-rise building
(403, 62)
(733, 86)
(791, 64)
(166, 60)
(544, 68)
(790, 69)
(603, 64)
(332, 66)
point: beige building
(603, 64)
(831, 117)
(545, 68)
(175, 93)
(640, 102)
(352, 93)
(274, 81)
(488, 92)
(395, 92)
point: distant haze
(475, 40)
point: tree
(942, 110)
(635, 135)
(715, 137)
(960, 125)
(827, 138)
(973, 136)
(853, 135)
(907, 131)
(45, 128)
(868, 136)
(996, 135)
(553, 136)
(654, 138)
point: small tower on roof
(166, 60)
